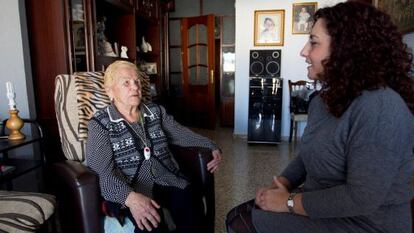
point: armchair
(77, 189)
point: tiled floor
(244, 169)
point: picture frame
(400, 11)
(149, 68)
(78, 31)
(302, 17)
(269, 27)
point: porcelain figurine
(144, 45)
(124, 50)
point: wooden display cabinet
(148, 9)
(148, 26)
(114, 28)
(63, 40)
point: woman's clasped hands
(274, 197)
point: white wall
(15, 58)
(409, 40)
(293, 66)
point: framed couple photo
(302, 17)
(269, 27)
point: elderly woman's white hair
(112, 69)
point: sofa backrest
(77, 97)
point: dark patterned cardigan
(114, 150)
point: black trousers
(239, 219)
(185, 208)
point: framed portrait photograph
(302, 17)
(149, 67)
(269, 27)
(401, 12)
(78, 36)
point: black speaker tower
(265, 63)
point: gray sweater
(357, 169)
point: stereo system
(265, 110)
(265, 63)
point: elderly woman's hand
(144, 210)
(213, 164)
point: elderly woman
(128, 148)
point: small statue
(108, 50)
(100, 36)
(144, 45)
(124, 50)
(149, 47)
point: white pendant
(147, 152)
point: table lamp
(14, 123)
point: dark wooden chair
(299, 101)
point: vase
(15, 124)
(144, 45)
(149, 47)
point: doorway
(202, 94)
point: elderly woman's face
(317, 49)
(126, 88)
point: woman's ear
(109, 93)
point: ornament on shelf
(149, 47)
(124, 50)
(108, 50)
(144, 46)
(116, 49)
(77, 12)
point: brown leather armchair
(78, 194)
(77, 189)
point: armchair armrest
(78, 193)
(193, 164)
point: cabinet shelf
(123, 5)
(148, 55)
(78, 22)
(153, 21)
(103, 61)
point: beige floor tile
(244, 169)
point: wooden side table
(17, 167)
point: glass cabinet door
(78, 35)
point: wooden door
(197, 48)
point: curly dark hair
(367, 53)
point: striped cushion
(68, 118)
(146, 88)
(24, 212)
(91, 96)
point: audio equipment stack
(265, 97)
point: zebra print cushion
(77, 97)
(66, 108)
(91, 96)
(24, 212)
(146, 88)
